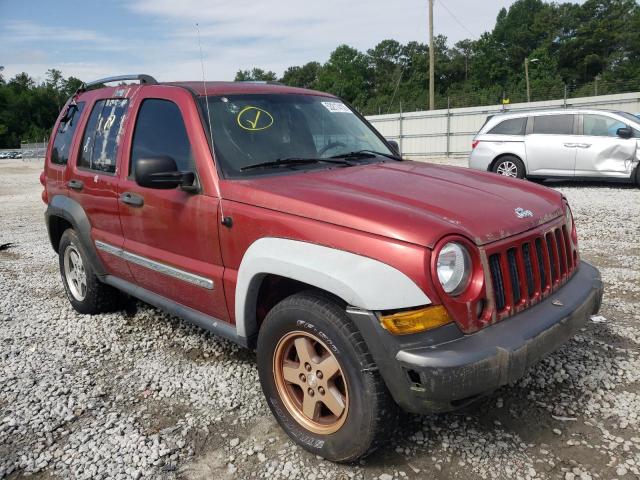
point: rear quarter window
(553, 124)
(64, 135)
(102, 135)
(513, 126)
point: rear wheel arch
(57, 226)
(63, 213)
(504, 156)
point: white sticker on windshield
(336, 107)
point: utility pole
(526, 76)
(431, 59)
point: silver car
(562, 143)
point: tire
(636, 177)
(86, 293)
(509, 166)
(369, 413)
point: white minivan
(563, 143)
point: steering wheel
(330, 146)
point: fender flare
(67, 208)
(360, 281)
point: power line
(456, 19)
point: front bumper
(444, 369)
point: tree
(573, 43)
(348, 75)
(255, 75)
(305, 76)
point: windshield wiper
(292, 161)
(366, 154)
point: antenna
(204, 86)
(206, 99)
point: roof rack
(263, 82)
(144, 79)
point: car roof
(199, 88)
(522, 113)
(238, 88)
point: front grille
(498, 284)
(527, 270)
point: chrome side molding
(156, 266)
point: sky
(93, 39)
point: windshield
(630, 117)
(254, 129)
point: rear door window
(513, 126)
(102, 135)
(160, 131)
(601, 126)
(553, 124)
(64, 135)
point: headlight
(571, 227)
(568, 218)
(454, 268)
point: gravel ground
(142, 394)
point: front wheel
(509, 166)
(320, 380)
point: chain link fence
(507, 96)
(450, 131)
(33, 151)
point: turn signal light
(414, 321)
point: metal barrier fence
(32, 151)
(449, 132)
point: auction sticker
(336, 107)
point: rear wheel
(320, 380)
(509, 166)
(86, 293)
(637, 176)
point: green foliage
(583, 48)
(255, 75)
(572, 44)
(305, 76)
(28, 111)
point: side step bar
(219, 327)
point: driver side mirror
(395, 147)
(624, 132)
(162, 173)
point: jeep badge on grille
(522, 213)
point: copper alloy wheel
(310, 382)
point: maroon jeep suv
(281, 220)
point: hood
(409, 201)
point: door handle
(583, 145)
(75, 184)
(132, 199)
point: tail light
(474, 144)
(43, 182)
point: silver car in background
(563, 143)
